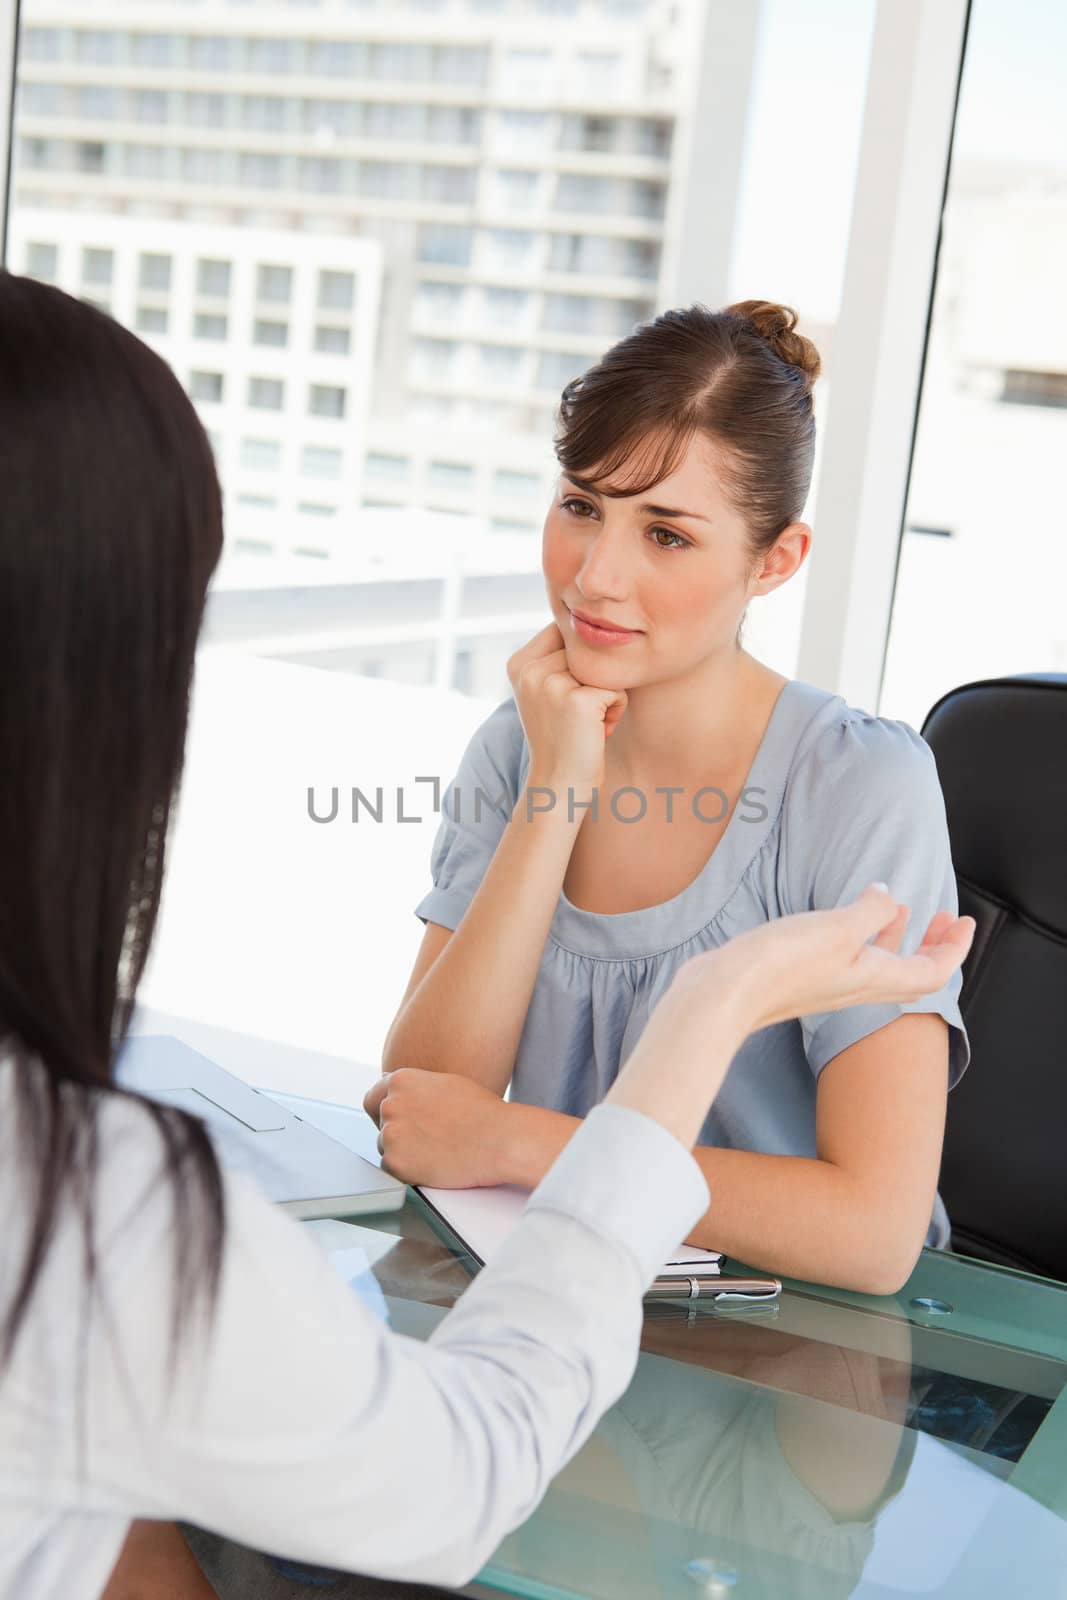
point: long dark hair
(111, 529)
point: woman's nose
(603, 572)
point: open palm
(827, 960)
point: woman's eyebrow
(653, 511)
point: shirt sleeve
(300, 1425)
(865, 806)
(475, 809)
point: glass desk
(831, 1445)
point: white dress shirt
(296, 1422)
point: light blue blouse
(835, 799)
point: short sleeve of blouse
(475, 809)
(864, 805)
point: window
(151, 319)
(263, 502)
(265, 331)
(507, 482)
(322, 175)
(330, 116)
(525, 71)
(208, 166)
(332, 341)
(525, 131)
(441, 242)
(580, 192)
(91, 156)
(441, 302)
(433, 358)
(448, 185)
(318, 461)
(95, 100)
(337, 290)
(213, 277)
(154, 272)
(454, 475)
(569, 313)
(205, 385)
(453, 125)
(380, 465)
(43, 100)
(988, 445)
(508, 249)
(310, 550)
(154, 49)
(646, 199)
(391, 180)
(500, 363)
(326, 400)
(253, 547)
(266, 394)
(209, 325)
(337, 58)
(264, 112)
(261, 170)
(96, 47)
(460, 64)
(263, 455)
(313, 508)
(557, 367)
(212, 52)
(506, 308)
(41, 44)
(204, 110)
(274, 283)
(653, 137)
(274, 55)
(150, 105)
(516, 188)
(42, 261)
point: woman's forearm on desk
(467, 1014)
(790, 1215)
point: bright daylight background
(374, 240)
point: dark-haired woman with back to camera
(172, 1347)
(699, 795)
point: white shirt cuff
(629, 1180)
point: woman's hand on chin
(438, 1128)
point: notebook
(481, 1220)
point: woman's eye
(576, 505)
(683, 544)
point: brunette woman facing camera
(697, 795)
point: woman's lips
(593, 634)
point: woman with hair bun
(699, 795)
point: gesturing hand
(822, 961)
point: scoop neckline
(628, 934)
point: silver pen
(716, 1288)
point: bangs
(616, 444)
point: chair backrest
(1001, 752)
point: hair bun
(776, 324)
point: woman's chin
(589, 667)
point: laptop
(300, 1168)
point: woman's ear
(783, 559)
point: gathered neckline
(628, 935)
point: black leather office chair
(1001, 752)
